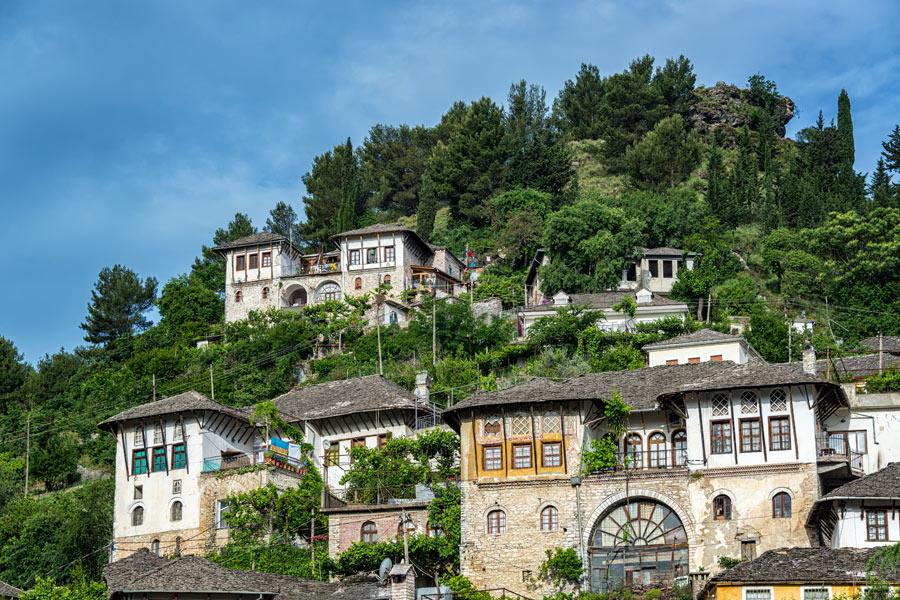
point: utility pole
(154, 387)
(212, 385)
(405, 516)
(27, 449)
(379, 301)
(434, 326)
(708, 306)
(880, 351)
(790, 331)
(312, 543)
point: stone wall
(345, 528)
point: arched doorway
(639, 542)
(296, 297)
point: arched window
(496, 521)
(643, 533)
(656, 448)
(154, 547)
(176, 511)
(410, 529)
(633, 452)
(781, 505)
(679, 448)
(265, 293)
(369, 533)
(722, 508)
(329, 291)
(137, 516)
(492, 426)
(387, 279)
(357, 283)
(550, 519)
(748, 403)
(238, 296)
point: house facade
(700, 346)
(265, 270)
(717, 459)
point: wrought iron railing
(836, 445)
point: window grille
(521, 425)
(778, 401)
(748, 403)
(551, 422)
(720, 405)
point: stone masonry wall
(345, 529)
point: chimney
(423, 386)
(809, 360)
(403, 582)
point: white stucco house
(700, 346)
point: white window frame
(814, 587)
(768, 588)
(222, 508)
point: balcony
(836, 458)
(653, 460)
(304, 269)
(228, 461)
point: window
(780, 433)
(178, 432)
(679, 448)
(175, 511)
(694, 361)
(856, 441)
(387, 280)
(383, 439)
(721, 437)
(240, 263)
(371, 256)
(748, 403)
(265, 293)
(521, 424)
(720, 405)
(551, 454)
(876, 525)
(354, 257)
(369, 533)
(716, 358)
(722, 508)
(816, 593)
(757, 593)
(492, 458)
(357, 283)
(748, 550)
(654, 268)
(267, 259)
(137, 516)
(139, 462)
(222, 509)
(633, 452)
(667, 268)
(777, 401)
(179, 456)
(157, 434)
(435, 530)
(159, 459)
(332, 455)
(781, 505)
(750, 435)
(496, 521)
(656, 450)
(631, 274)
(139, 436)
(154, 547)
(550, 519)
(492, 426)
(176, 487)
(389, 254)
(138, 492)
(551, 423)
(671, 362)
(521, 456)
(410, 529)
(356, 443)
(329, 291)
(238, 296)
(254, 261)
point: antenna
(385, 569)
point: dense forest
(640, 158)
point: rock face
(728, 108)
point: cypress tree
(350, 192)
(744, 181)
(845, 128)
(425, 217)
(716, 193)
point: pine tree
(425, 217)
(880, 189)
(744, 181)
(716, 192)
(891, 152)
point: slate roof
(880, 484)
(751, 374)
(338, 398)
(264, 237)
(697, 337)
(8, 591)
(802, 565)
(144, 571)
(665, 251)
(855, 366)
(605, 300)
(376, 228)
(174, 404)
(890, 343)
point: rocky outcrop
(728, 108)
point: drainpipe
(576, 483)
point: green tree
(665, 156)
(520, 238)
(577, 108)
(393, 162)
(715, 265)
(891, 151)
(768, 334)
(526, 120)
(333, 192)
(45, 589)
(534, 201)
(425, 217)
(209, 267)
(55, 459)
(283, 221)
(880, 189)
(118, 303)
(352, 197)
(845, 128)
(675, 82)
(744, 182)
(13, 371)
(565, 328)
(184, 299)
(589, 245)
(668, 217)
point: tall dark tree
(326, 185)
(631, 106)
(283, 220)
(13, 371)
(880, 189)
(209, 267)
(577, 108)
(717, 188)
(425, 217)
(743, 183)
(526, 117)
(118, 305)
(351, 195)
(845, 128)
(891, 151)
(393, 160)
(665, 156)
(675, 84)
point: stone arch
(326, 289)
(778, 490)
(594, 519)
(295, 295)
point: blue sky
(131, 130)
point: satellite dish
(385, 569)
(326, 444)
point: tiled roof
(880, 484)
(605, 300)
(697, 337)
(143, 571)
(802, 565)
(172, 405)
(263, 237)
(889, 343)
(338, 398)
(8, 591)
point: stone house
(700, 346)
(718, 459)
(265, 270)
(798, 574)
(177, 460)
(650, 307)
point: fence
(836, 445)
